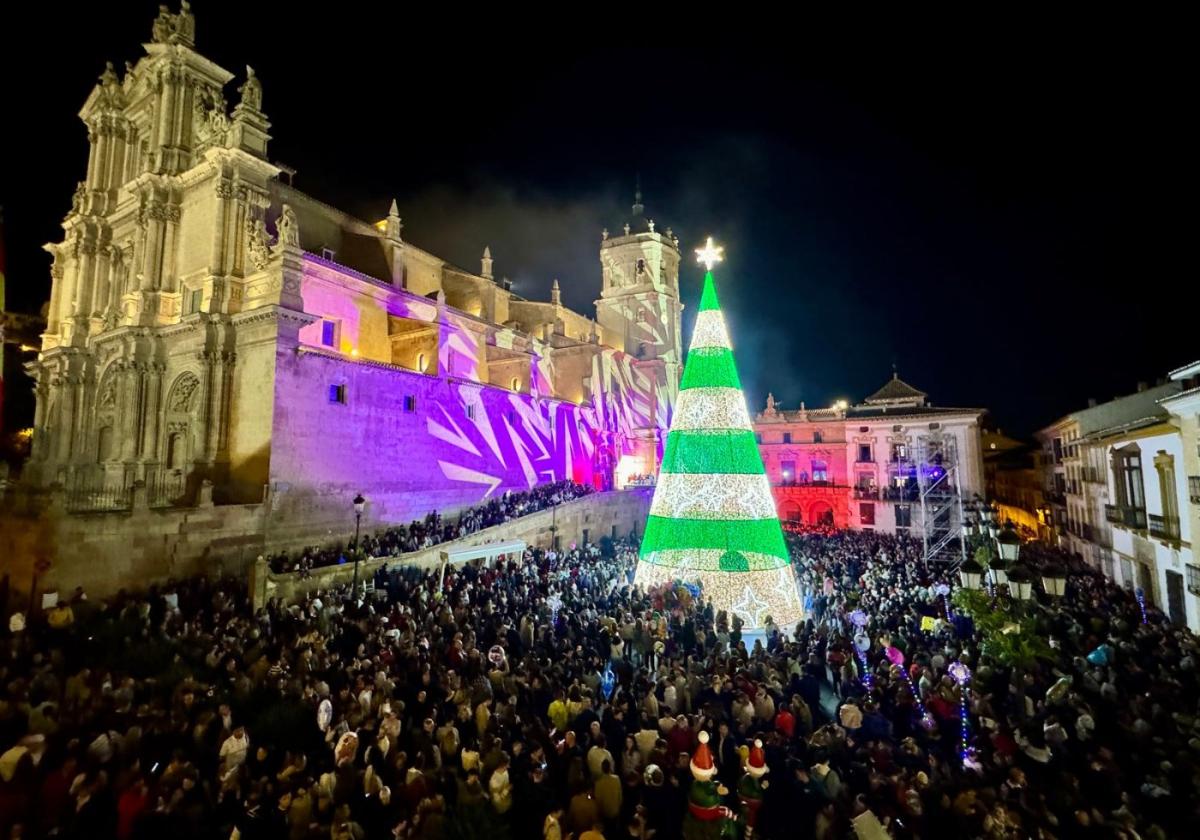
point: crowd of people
(549, 698)
(434, 529)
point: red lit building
(854, 466)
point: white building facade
(1127, 473)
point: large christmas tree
(713, 518)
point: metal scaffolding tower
(940, 492)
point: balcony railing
(887, 494)
(1164, 527)
(97, 493)
(166, 488)
(791, 482)
(1130, 517)
(1194, 488)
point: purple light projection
(412, 440)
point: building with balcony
(862, 466)
(1184, 409)
(1075, 472)
(1132, 460)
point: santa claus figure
(707, 818)
(751, 786)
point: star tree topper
(710, 254)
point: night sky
(1002, 215)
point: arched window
(516, 384)
(420, 362)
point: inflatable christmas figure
(751, 786)
(707, 818)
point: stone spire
(394, 225)
(638, 207)
(486, 270)
(555, 293)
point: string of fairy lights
(729, 496)
(961, 674)
(711, 408)
(862, 643)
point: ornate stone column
(168, 280)
(57, 275)
(100, 290)
(228, 362)
(213, 365)
(148, 448)
(41, 405)
(130, 408)
(67, 385)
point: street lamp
(360, 505)
(1054, 579)
(970, 573)
(999, 571)
(1020, 583)
(1008, 544)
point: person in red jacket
(785, 723)
(130, 807)
(679, 739)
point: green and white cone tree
(713, 518)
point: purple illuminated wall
(414, 442)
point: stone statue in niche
(211, 125)
(288, 229)
(258, 244)
(108, 395)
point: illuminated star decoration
(750, 607)
(785, 588)
(710, 254)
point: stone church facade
(213, 331)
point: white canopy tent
(488, 553)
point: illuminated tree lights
(713, 519)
